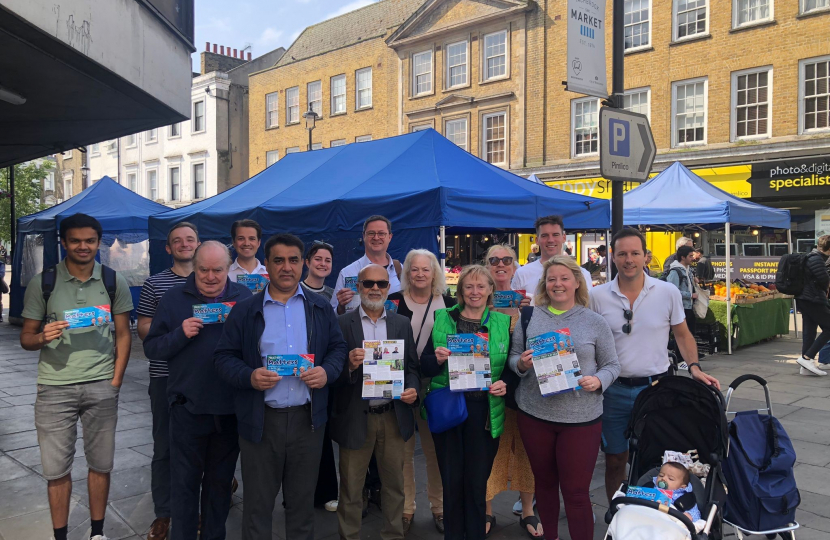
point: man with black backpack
(812, 302)
(80, 369)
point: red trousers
(562, 456)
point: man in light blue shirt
(285, 333)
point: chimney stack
(229, 51)
(249, 57)
(235, 55)
(214, 48)
(207, 46)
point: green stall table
(751, 323)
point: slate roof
(354, 27)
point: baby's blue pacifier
(662, 484)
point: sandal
(532, 521)
(492, 521)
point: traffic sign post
(626, 145)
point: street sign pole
(617, 91)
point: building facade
(198, 158)
(738, 90)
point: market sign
(792, 178)
(586, 48)
(751, 269)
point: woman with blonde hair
(423, 292)
(511, 466)
(562, 432)
(465, 452)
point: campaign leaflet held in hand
(213, 313)
(88, 316)
(255, 282)
(508, 299)
(391, 305)
(383, 374)
(469, 362)
(350, 282)
(661, 496)
(554, 359)
(289, 365)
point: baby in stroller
(676, 478)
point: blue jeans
(824, 355)
(617, 404)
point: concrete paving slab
(15, 441)
(115, 528)
(812, 479)
(136, 511)
(10, 469)
(23, 496)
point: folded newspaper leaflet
(350, 282)
(213, 313)
(383, 374)
(88, 316)
(554, 359)
(289, 365)
(391, 305)
(255, 282)
(469, 362)
(508, 299)
(657, 495)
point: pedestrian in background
(813, 304)
(680, 275)
(682, 241)
(534, 253)
(649, 257)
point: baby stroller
(680, 414)
(763, 496)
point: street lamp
(310, 119)
(85, 176)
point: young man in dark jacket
(812, 303)
(281, 419)
(204, 443)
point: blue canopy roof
(417, 180)
(117, 209)
(677, 196)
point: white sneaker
(98, 537)
(331, 506)
(809, 367)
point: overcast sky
(263, 24)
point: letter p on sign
(620, 141)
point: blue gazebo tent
(422, 182)
(677, 196)
(123, 216)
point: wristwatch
(692, 365)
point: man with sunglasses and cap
(641, 311)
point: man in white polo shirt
(247, 236)
(377, 234)
(641, 312)
(550, 236)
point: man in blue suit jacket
(281, 420)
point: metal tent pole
(728, 292)
(790, 250)
(443, 247)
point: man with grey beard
(380, 426)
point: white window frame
(650, 28)
(95, 149)
(132, 181)
(484, 118)
(736, 12)
(67, 154)
(430, 74)
(292, 94)
(643, 89)
(193, 179)
(315, 105)
(271, 157)
(674, 86)
(149, 186)
(292, 150)
(132, 141)
(194, 123)
(803, 11)
(152, 136)
(802, 67)
(272, 110)
(337, 142)
(676, 25)
(574, 103)
(358, 90)
(466, 121)
(484, 57)
(317, 146)
(170, 182)
(733, 115)
(67, 188)
(49, 181)
(448, 72)
(171, 135)
(363, 138)
(336, 96)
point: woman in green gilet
(466, 452)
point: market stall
(677, 197)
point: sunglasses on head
(370, 283)
(494, 261)
(628, 314)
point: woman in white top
(423, 290)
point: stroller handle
(673, 512)
(748, 377)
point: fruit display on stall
(741, 291)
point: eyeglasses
(381, 235)
(494, 261)
(370, 283)
(628, 314)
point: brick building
(739, 90)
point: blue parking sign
(620, 140)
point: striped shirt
(151, 293)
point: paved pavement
(802, 404)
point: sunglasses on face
(628, 314)
(370, 283)
(494, 261)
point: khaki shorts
(57, 410)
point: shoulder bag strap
(424, 320)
